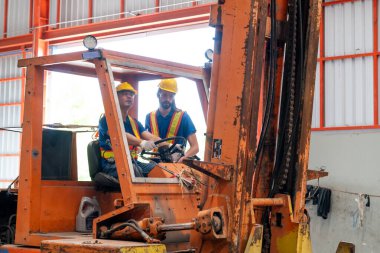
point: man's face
(166, 99)
(126, 98)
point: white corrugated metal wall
(2, 19)
(10, 117)
(316, 115)
(106, 9)
(351, 157)
(76, 12)
(349, 82)
(18, 17)
(139, 7)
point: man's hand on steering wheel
(165, 152)
(147, 145)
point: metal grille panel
(349, 92)
(10, 142)
(106, 10)
(139, 7)
(18, 17)
(169, 5)
(9, 67)
(348, 28)
(10, 92)
(10, 116)
(75, 12)
(8, 169)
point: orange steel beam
(40, 18)
(31, 14)
(16, 42)
(9, 155)
(30, 160)
(375, 63)
(122, 9)
(5, 30)
(22, 95)
(156, 66)
(195, 15)
(134, 30)
(10, 104)
(90, 11)
(11, 79)
(336, 128)
(198, 14)
(58, 17)
(338, 2)
(157, 5)
(52, 59)
(348, 56)
(116, 131)
(6, 181)
(322, 70)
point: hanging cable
(271, 82)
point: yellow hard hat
(125, 86)
(168, 85)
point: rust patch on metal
(214, 170)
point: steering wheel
(164, 153)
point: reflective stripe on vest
(107, 154)
(134, 126)
(136, 133)
(173, 128)
(153, 124)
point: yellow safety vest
(173, 126)
(108, 154)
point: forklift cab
(43, 217)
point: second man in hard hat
(169, 121)
(137, 136)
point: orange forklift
(248, 195)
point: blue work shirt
(108, 166)
(186, 127)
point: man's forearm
(194, 147)
(146, 135)
(132, 140)
(192, 151)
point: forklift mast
(248, 193)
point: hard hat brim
(134, 91)
(168, 90)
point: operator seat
(102, 180)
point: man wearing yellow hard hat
(169, 121)
(137, 136)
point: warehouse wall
(11, 82)
(346, 97)
(352, 160)
(76, 12)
